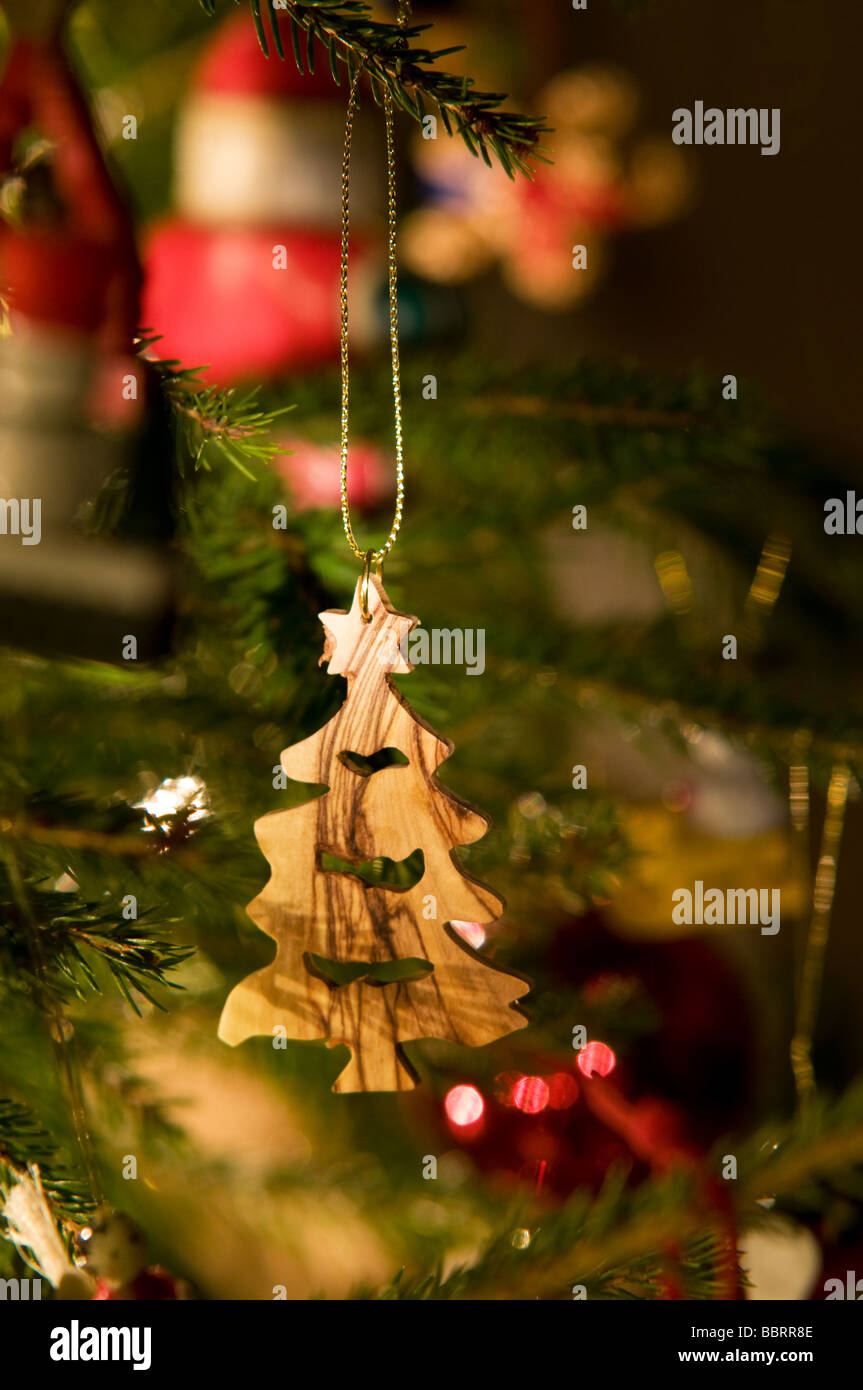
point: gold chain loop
(368, 561)
(377, 556)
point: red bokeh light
(596, 1057)
(464, 1105)
(530, 1094)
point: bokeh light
(530, 1094)
(464, 1105)
(173, 796)
(596, 1058)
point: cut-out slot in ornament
(337, 972)
(364, 767)
(398, 876)
(322, 919)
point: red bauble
(217, 300)
(115, 1256)
(234, 63)
(150, 1286)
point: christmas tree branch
(214, 418)
(347, 34)
(54, 944)
(23, 1142)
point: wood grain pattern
(313, 911)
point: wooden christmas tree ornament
(360, 963)
(364, 889)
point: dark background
(761, 277)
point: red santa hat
(234, 63)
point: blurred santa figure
(244, 277)
(72, 391)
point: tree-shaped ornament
(372, 965)
(365, 889)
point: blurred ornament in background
(731, 796)
(72, 392)
(670, 853)
(695, 803)
(112, 1250)
(782, 1260)
(258, 168)
(679, 1079)
(594, 99)
(604, 180)
(538, 1131)
(115, 1255)
(311, 472)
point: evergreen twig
(73, 935)
(218, 418)
(23, 1142)
(346, 34)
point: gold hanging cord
(370, 557)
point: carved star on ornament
(352, 644)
